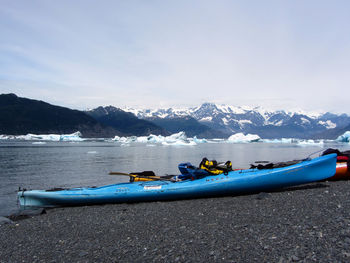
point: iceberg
(282, 140)
(179, 138)
(310, 143)
(76, 136)
(299, 142)
(71, 137)
(196, 140)
(153, 139)
(125, 140)
(241, 138)
(344, 138)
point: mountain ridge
(268, 124)
(19, 116)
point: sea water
(49, 164)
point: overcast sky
(82, 54)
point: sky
(283, 54)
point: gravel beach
(309, 223)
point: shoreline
(298, 224)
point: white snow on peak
(181, 111)
(225, 121)
(160, 113)
(304, 121)
(279, 123)
(275, 123)
(230, 109)
(310, 114)
(243, 122)
(136, 112)
(246, 108)
(328, 124)
(266, 113)
(206, 119)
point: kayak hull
(235, 182)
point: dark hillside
(20, 116)
(125, 122)
(332, 134)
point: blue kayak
(234, 182)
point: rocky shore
(300, 224)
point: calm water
(65, 164)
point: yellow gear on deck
(214, 168)
(140, 179)
(209, 167)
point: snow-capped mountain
(205, 121)
(267, 124)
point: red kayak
(342, 172)
(343, 164)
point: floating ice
(71, 137)
(179, 138)
(196, 140)
(125, 140)
(310, 143)
(344, 138)
(282, 140)
(241, 138)
(299, 142)
(45, 137)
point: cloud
(150, 53)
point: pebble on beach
(300, 224)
